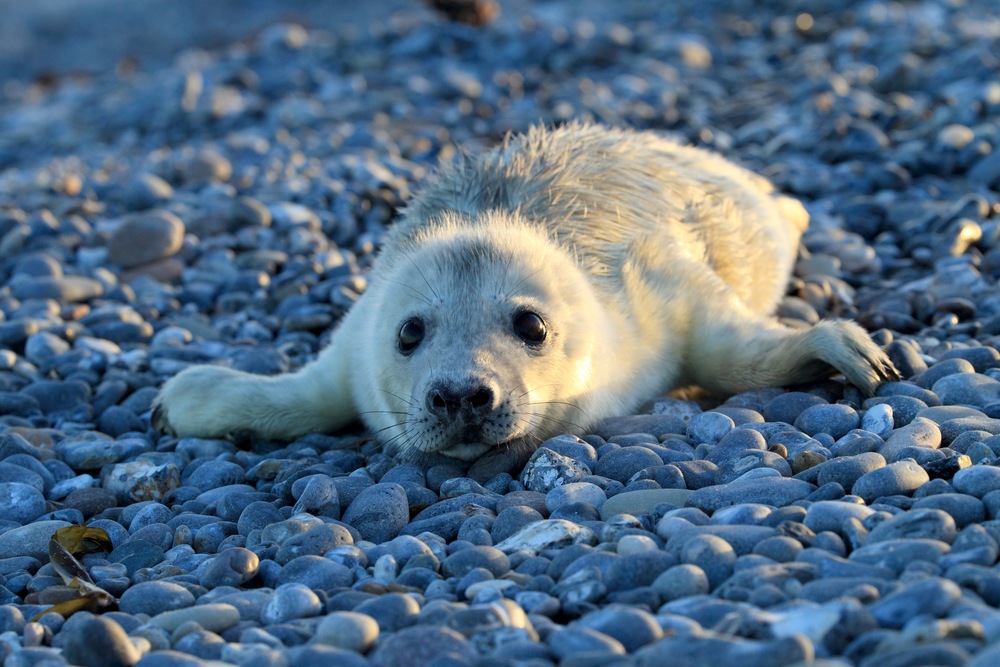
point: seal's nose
(469, 400)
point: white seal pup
(565, 276)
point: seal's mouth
(467, 451)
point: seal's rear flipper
(753, 354)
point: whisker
(408, 401)
(420, 295)
(382, 412)
(562, 423)
(533, 403)
(424, 277)
(386, 428)
(520, 282)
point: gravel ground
(224, 207)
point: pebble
(932, 597)
(547, 469)
(155, 597)
(379, 512)
(146, 237)
(778, 491)
(31, 540)
(575, 492)
(214, 617)
(878, 419)
(900, 478)
(621, 464)
(423, 645)
(289, 602)
(846, 470)
(835, 420)
(709, 427)
(232, 567)
(234, 219)
(701, 650)
(977, 480)
(98, 641)
(633, 628)
(642, 501)
(347, 630)
(21, 502)
(930, 524)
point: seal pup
(565, 276)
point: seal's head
(479, 344)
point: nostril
(482, 398)
(448, 401)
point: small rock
(146, 237)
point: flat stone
(214, 617)
(777, 491)
(642, 502)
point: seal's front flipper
(213, 401)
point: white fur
(654, 265)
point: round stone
(146, 237)
(347, 630)
(379, 512)
(155, 597)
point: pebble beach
(224, 203)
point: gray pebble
(97, 641)
(712, 555)
(709, 427)
(897, 554)
(547, 469)
(634, 628)
(653, 424)
(622, 463)
(778, 491)
(967, 388)
(347, 630)
(788, 406)
(379, 512)
(575, 639)
(155, 597)
(741, 462)
(900, 478)
(930, 524)
(933, 597)
(696, 650)
(256, 516)
(462, 562)
(422, 645)
(878, 419)
(391, 612)
(846, 470)
(575, 492)
(20, 502)
(232, 567)
(290, 602)
(964, 509)
(316, 572)
(313, 542)
(31, 540)
(836, 420)
(146, 237)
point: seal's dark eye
(530, 327)
(410, 335)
